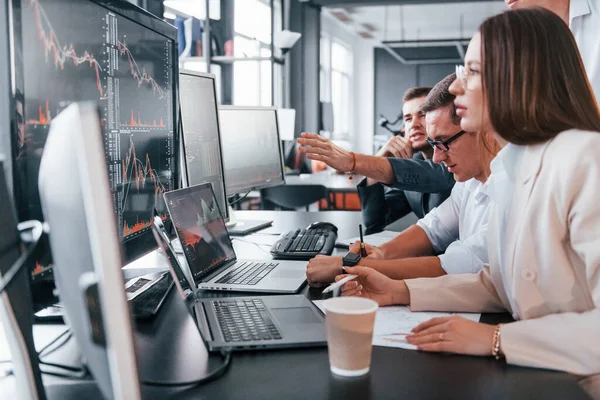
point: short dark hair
(415, 93)
(440, 97)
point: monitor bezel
(262, 185)
(142, 243)
(212, 77)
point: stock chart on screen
(200, 228)
(80, 51)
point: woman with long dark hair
(524, 80)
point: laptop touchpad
(288, 273)
(296, 315)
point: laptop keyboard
(247, 273)
(245, 320)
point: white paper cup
(350, 322)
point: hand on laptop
(322, 270)
(373, 252)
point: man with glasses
(451, 239)
(400, 178)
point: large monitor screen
(251, 148)
(201, 136)
(123, 59)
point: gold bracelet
(496, 342)
(353, 161)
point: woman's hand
(375, 286)
(373, 252)
(322, 270)
(454, 335)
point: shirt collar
(478, 190)
(508, 160)
(578, 8)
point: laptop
(246, 323)
(209, 252)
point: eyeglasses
(445, 145)
(463, 74)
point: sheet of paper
(376, 239)
(393, 323)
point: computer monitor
(201, 137)
(251, 148)
(286, 119)
(77, 202)
(125, 60)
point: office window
(325, 69)
(336, 83)
(252, 79)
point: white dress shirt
(458, 228)
(584, 21)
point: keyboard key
(245, 320)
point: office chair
(290, 197)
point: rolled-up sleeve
(466, 256)
(442, 223)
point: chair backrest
(295, 196)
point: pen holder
(350, 322)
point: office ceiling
(418, 33)
(357, 3)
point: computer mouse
(323, 225)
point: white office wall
(361, 125)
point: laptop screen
(200, 228)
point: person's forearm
(412, 242)
(401, 295)
(376, 169)
(408, 268)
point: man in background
(452, 238)
(400, 178)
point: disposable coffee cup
(350, 322)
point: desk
(170, 348)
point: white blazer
(551, 278)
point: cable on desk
(240, 199)
(81, 369)
(217, 373)
(80, 372)
(46, 347)
(82, 375)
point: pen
(363, 251)
(339, 283)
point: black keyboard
(245, 320)
(147, 304)
(247, 273)
(304, 244)
(144, 306)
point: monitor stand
(238, 227)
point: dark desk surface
(170, 348)
(335, 182)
